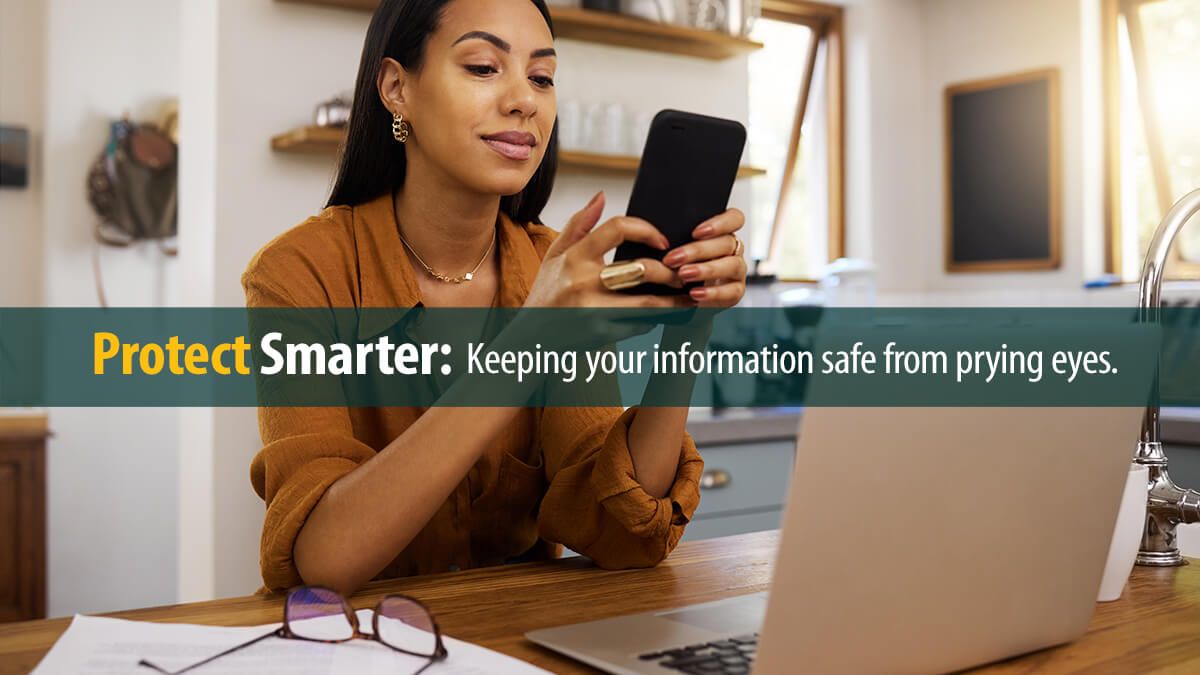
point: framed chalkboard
(1002, 173)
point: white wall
(111, 472)
(901, 55)
(197, 218)
(22, 61)
(972, 40)
(884, 172)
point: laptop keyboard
(720, 657)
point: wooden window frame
(827, 25)
(1112, 11)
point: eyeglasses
(319, 614)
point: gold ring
(737, 246)
(621, 275)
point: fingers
(579, 225)
(658, 273)
(706, 249)
(719, 295)
(714, 239)
(617, 230)
(728, 222)
(680, 301)
(727, 268)
(647, 301)
(709, 261)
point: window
(796, 96)
(1152, 52)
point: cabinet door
(22, 530)
(745, 477)
(745, 488)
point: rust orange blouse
(555, 476)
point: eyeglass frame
(285, 632)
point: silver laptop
(914, 540)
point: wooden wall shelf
(360, 5)
(615, 29)
(623, 164)
(627, 31)
(309, 140)
(324, 140)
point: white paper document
(102, 646)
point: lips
(513, 138)
(516, 145)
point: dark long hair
(372, 162)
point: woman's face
(488, 72)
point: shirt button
(454, 568)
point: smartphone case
(685, 177)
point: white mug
(640, 132)
(592, 129)
(614, 130)
(1188, 539)
(1127, 534)
(570, 125)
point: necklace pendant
(442, 277)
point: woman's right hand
(570, 272)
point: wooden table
(1155, 627)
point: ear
(391, 83)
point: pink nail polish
(674, 258)
(704, 231)
(699, 293)
(689, 273)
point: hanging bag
(133, 186)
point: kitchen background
(154, 506)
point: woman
(449, 160)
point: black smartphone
(686, 174)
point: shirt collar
(387, 280)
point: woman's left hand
(710, 259)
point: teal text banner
(572, 357)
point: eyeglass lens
(317, 614)
(404, 624)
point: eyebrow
(504, 46)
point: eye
(480, 70)
(544, 82)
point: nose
(519, 96)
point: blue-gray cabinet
(744, 488)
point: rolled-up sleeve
(305, 450)
(595, 504)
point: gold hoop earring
(400, 128)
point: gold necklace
(442, 277)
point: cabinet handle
(716, 478)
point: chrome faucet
(1167, 504)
